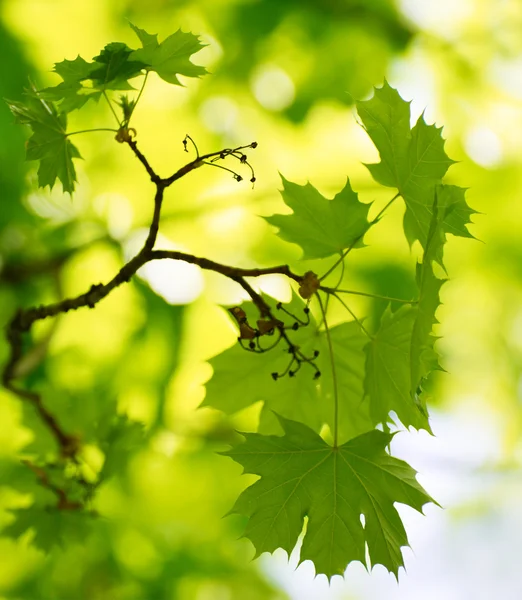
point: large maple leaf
(413, 161)
(302, 476)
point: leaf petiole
(334, 291)
(334, 376)
(91, 130)
(111, 107)
(139, 96)
(358, 321)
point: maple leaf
(115, 68)
(119, 438)
(171, 57)
(51, 527)
(49, 143)
(241, 378)
(423, 356)
(71, 93)
(302, 476)
(321, 227)
(388, 379)
(110, 70)
(412, 160)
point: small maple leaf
(320, 226)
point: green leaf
(423, 356)
(388, 381)
(71, 93)
(49, 143)
(71, 96)
(73, 71)
(119, 439)
(110, 71)
(116, 68)
(412, 160)
(50, 526)
(302, 476)
(321, 227)
(241, 378)
(456, 209)
(146, 39)
(170, 58)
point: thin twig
(23, 320)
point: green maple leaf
(49, 143)
(51, 527)
(456, 210)
(115, 68)
(74, 70)
(71, 93)
(119, 438)
(171, 57)
(423, 356)
(110, 70)
(302, 476)
(321, 227)
(241, 378)
(412, 160)
(388, 380)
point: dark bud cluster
(236, 153)
(251, 338)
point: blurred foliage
(333, 49)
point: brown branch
(132, 143)
(225, 270)
(24, 319)
(64, 503)
(15, 273)
(199, 161)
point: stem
(139, 96)
(334, 291)
(359, 238)
(334, 375)
(91, 130)
(111, 107)
(18, 363)
(363, 328)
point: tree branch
(24, 319)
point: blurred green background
(283, 73)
